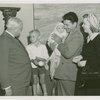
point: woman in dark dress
(90, 58)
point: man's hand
(8, 91)
(82, 63)
(56, 38)
(77, 59)
(53, 45)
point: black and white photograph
(49, 49)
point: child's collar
(37, 44)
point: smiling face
(69, 26)
(34, 37)
(86, 25)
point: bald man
(15, 66)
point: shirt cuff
(7, 87)
(83, 62)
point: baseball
(41, 63)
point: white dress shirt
(37, 51)
(10, 34)
(91, 37)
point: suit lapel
(20, 44)
(12, 38)
(17, 41)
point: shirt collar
(10, 34)
(92, 37)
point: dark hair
(71, 16)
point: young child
(55, 57)
(38, 56)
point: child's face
(34, 37)
(60, 28)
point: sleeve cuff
(7, 87)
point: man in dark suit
(66, 72)
(15, 66)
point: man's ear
(74, 24)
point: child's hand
(40, 59)
(39, 62)
(35, 62)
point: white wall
(47, 15)
(25, 14)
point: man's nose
(65, 26)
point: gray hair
(14, 22)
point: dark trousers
(85, 91)
(2, 92)
(65, 88)
(49, 83)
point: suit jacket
(91, 53)
(15, 66)
(67, 70)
